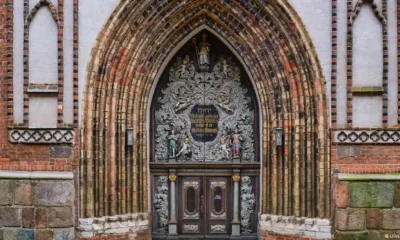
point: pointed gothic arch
(273, 46)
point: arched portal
(277, 54)
(204, 129)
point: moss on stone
(371, 194)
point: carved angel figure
(185, 150)
(182, 105)
(224, 149)
(185, 65)
(225, 106)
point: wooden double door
(204, 207)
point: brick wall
(26, 157)
(366, 158)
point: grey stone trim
(367, 177)
(299, 226)
(39, 135)
(371, 136)
(35, 175)
(118, 224)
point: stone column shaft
(236, 221)
(172, 224)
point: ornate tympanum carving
(204, 116)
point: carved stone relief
(218, 228)
(161, 203)
(191, 228)
(204, 116)
(247, 204)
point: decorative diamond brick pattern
(41, 136)
(362, 137)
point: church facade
(195, 119)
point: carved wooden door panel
(218, 204)
(191, 206)
(204, 206)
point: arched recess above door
(276, 50)
(200, 103)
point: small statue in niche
(223, 148)
(236, 142)
(185, 151)
(203, 52)
(225, 68)
(172, 144)
(184, 65)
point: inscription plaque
(204, 123)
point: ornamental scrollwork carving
(204, 116)
(247, 205)
(191, 228)
(218, 228)
(161, 203)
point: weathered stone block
(348, 151)
(12, 217)
(65, 234)
(371, 194)
(396, 199)
(23, 193)
(28, 217)
(391, 219)
(10, 234)
(54, 193)
(45, 235)
(341, 219)
(374, 235)
(374, 218)
(6, 188)
(60, 151)
(356, 219)
(25, 234)
(341, 194)
(60, 217)
(41, 217)
(350, 219)
(352, 236)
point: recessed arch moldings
(274, 47)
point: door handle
(202, 204)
